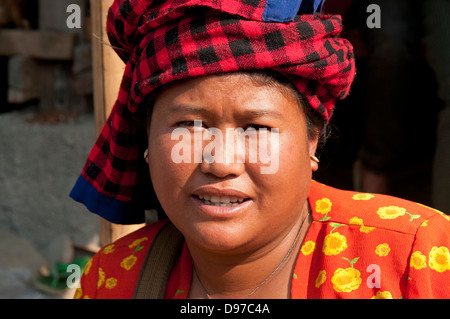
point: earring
(315, 159)
(146, 153)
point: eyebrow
(262, 113)
(181, 108)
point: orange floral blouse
(358, 246)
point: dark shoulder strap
(158, 263)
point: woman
(205, 82)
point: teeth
(223, 201)
(215, 199)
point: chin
(218, 236)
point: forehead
(235, 91)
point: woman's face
(217, 192)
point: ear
(312, 151)
(146, 156)
(314, 165)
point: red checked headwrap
(164, 41)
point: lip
(220, 192)
(220, 211)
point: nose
(221, 169)
(222, 156)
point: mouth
(221, 201)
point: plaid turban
(165, 41)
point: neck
(265, 272)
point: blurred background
(47, 129)
(390, 136)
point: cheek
(168, 177)
(290, 184)
(297, 160)
(294, 156)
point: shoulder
(144, 234)
(113, 272)
(329, 204)
(407, 241)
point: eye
(190, 124)
(258, 126)
(185, 123)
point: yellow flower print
(110, 283)
(382, 250)
(87, 267)
(78, 293)
(391, 212)
(101, 278)
(359, 222)
(323, 206)
(137, 242)
(334, 244)
(128, 262)
(347, 280)
(366, 229)
(382, 295)
(439, 259)
(363, 196)
(356, 221)
(108, 249)
(425, 223)
(418, 260)
(308, 247)
(321, 278)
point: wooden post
(107, 72)
(107, 66)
